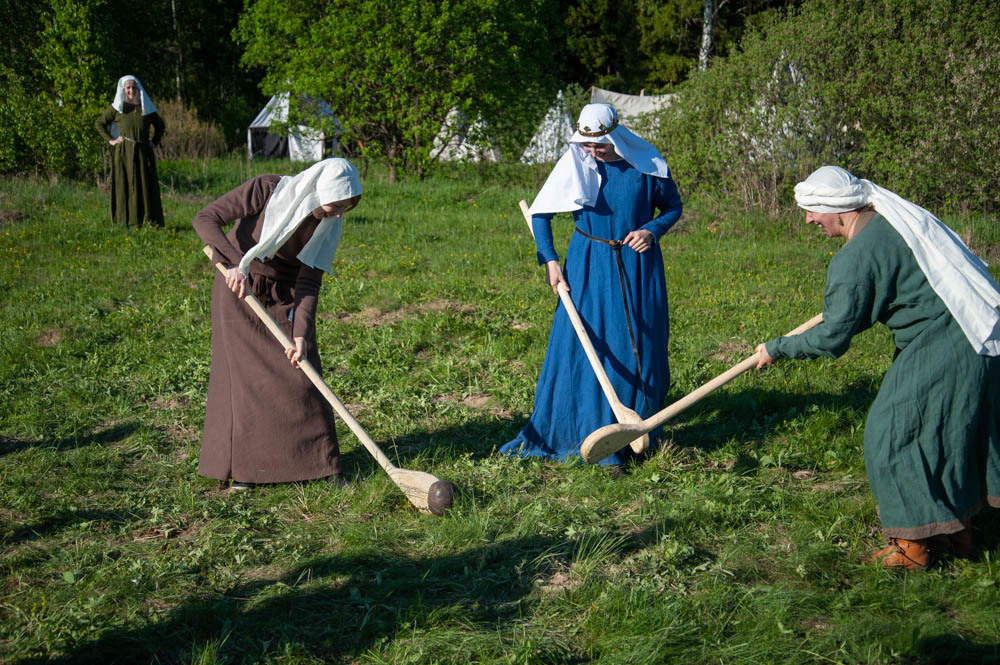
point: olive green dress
(932, 438)
(135, 191)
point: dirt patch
(820, 623)
(371, 317)
(521, 325)
(49, 337)
(559, 581)
(476, 401)
(731, 352)
(180, 432)
(357, 408)
(12, 217)
(168, 403)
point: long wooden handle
(315, 377)
(669, 412)
(588, 347)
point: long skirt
(932, 438)
(264, 420)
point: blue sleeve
(541, 226)
(667, 200)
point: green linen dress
(135, 191)
(932, 437)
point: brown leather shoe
(902, 553)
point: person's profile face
(335, 209)
(131, 91)
(828, 221)
(604, 152)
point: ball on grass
(440, 496)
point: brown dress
(264, 421)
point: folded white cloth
(145, 102)
(574, 181)
(293, 200)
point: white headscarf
(958, 276)
(574, 181)
(293, 200)
(119, 103)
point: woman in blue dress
(621, 195)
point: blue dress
(569, 402)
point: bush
(188, 137)
(897, 92)
(38, 134)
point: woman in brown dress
(135, 191)
(264, 421)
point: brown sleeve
(104, 121)
(248, 199)
(307, 287)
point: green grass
(737, 542)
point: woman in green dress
(932, 437)
(135, 192)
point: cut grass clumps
(738, 540)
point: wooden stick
(608, 439)
(622, 412)
(425, 491)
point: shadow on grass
(757, 414)
(957, 650)
(340, 606)
(112, 434)
(56, 522)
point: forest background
(899, 91)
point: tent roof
(629, 106)
(552, 136)
(276, 111)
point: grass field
(738, 541)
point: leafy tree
(628, 45)
(898, 92)
(392, 70)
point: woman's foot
(240, 487)
(902, 553)
(956, 544)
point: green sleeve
(847, 310)
(158, 128)
(103, 123)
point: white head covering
(957, 275)
(574, 181)
(119, 103)
(293, 200)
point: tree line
(900, 91)
(391, 70)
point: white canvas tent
(461, 140)
(302, 144)
(552, 136)
(630, 107)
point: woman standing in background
(135, 192)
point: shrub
(186, 135)
(41, 134)
(895, 91)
